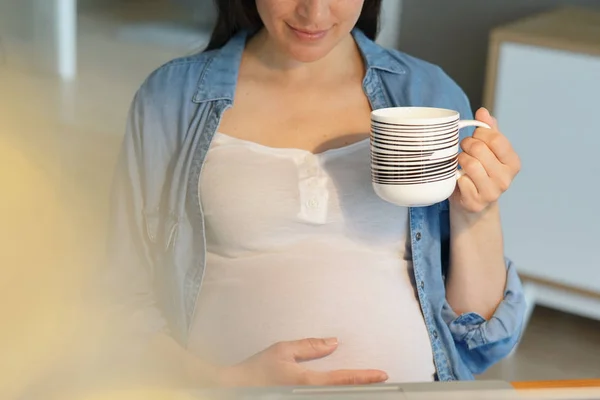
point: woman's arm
(485, 303)
(139, 337)
(477, 273)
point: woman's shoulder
(423, 82)
(176, 78)
(165, 103)
(422, 71)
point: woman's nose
(313, 11)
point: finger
(500, 174)
(467, 190)
(484, 115)
(476, 188)
(473, 169)
(468, 196)
(345, 377)
(480, 151)
(308, 349)
(500, 146)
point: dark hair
(236, 15)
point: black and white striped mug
(414, 152)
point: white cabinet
(544, 88)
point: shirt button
(435, 334)
(422, 284)
(418, 236)
(312, 203)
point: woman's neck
(265, 56)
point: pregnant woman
(245, 232)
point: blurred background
(69, 70)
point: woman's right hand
(281, 365)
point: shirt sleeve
(126, 281)
(480, 342)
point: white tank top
(300, 246)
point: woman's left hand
(489, 164)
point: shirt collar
(219, 77)
(375, 56)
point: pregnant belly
(367, 302)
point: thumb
(310, 349)
(484, 115)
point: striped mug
(414, 154)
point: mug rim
(415, 115)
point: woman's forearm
(477, 276)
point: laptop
(389, 391)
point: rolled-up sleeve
(480, 342)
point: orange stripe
(558, 384)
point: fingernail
(331, 341)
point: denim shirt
(157, 239)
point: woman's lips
(308, 35)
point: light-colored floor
(555, 345)
(62, 141)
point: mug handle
(466, 123)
